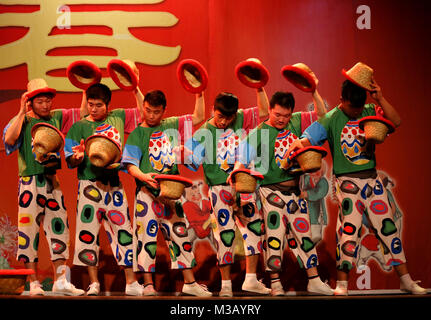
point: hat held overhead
(83, 74)
(252, 73)
(361, 75)
(301, 76)
(124, 73)
(38, 86)
(192, 75)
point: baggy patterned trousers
(248, 220)
(286, 215)
(99, 204)
(40, 202)
(152, 215)
(356, 197)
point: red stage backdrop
(38, 39)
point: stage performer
(154, 148)
(214, 146)
(40, 199)
(101, 197)
(359, 188)
(284, 212)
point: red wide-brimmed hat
(361, 75)
(298, 152)
(38, 86)
(83, 74)
(388, 123)
(104, 146)
(309, 158)
(172, 177)
(192, 75)
(252, 73)
(257, 175)
(124, 73)
(299, 74)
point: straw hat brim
(344, 72)
(257, 175)
(203, 74)
(105, 137)
(320, 150)
(117, 63)
(176, 178)
(388, 123)
(94, 73)
(34, 93)
(44, 124)
(286, 71)
(258, 83)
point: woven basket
(245, 183)
(375, 131)
(171, 189)
(102, 152)
(12, 284)
(309, 161)
(46, 140)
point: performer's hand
(314, 78)
(296, 144)
(376, 94)
(25, 103)
(148, 178)
(303, 195)
(78, 151)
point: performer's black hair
(155, 98)
(99, 91)
(226, 103)
(353, 93)
(283, 99)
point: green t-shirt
(27, 165)
(265, 148)
(85, 128)
(346, 140)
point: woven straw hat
(172, 186)
(192, 75)
(376, 128)
(245, 180)
(104, 146)
(252, 73)
(299, 74)
(124, 73)
(12, 280)
(37, 86)
(361, 75)
(46, 139)
(83, 74)
(309, 158)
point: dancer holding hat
(214, 147)
(150, 154)
(94, 147)
(40, 200)
(358, 187)
(265, 149)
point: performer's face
(351, 112)
(279, 117)
(221, 121)
(41, 105)
(153, 114)
(97, 109)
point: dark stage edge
(171, 306)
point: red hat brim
(387, 122)
(15, 272)
(171, 177)
(34, 93)
(45, 124)
(102, 136)
(344, 73)
(89, 67)
(133, 76)
(183, 80)
(310, 148)
(302, 73)
(264, 73)
(253, 173)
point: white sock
(406, 279)
(226, 284)
(250, 277)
